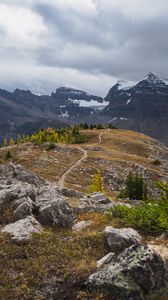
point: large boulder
(120, 239)
(22, 230)
(52, 207)
(134, 274)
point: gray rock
(96, 202)
(71, 193)
(53, 209)
(135, 274)
(22, 230)
(120, 239)
(23, 175)
(99, 198)
(81, 225)
(105, 260)
(9, 193)
(23, 210)
(56, 213)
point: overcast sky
(86, 44)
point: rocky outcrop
(12, 171)
(27, 195)
(96, 202)
(120, 239)
(135, 274)
(22, 230)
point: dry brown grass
(118, 148)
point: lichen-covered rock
(135, 274)
(120, 239)
(52, 207)
(22, 230)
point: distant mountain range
(141, 106)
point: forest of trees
(68, 135)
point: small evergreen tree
(100, 126)
(5, 142)
(135, 187)
(86, 126)
(11, 142)
(8, 155)
(96, 185)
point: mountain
(23, 112)
(141, 106)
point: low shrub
(149, 217)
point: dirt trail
(84, 156)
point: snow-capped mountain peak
(153, 78)
(124, 85)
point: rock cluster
(31, 200)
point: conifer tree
(96, 185)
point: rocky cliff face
(142, 106)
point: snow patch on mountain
(125, 85)
(128, 101)
(91, 103)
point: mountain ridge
(140, 106)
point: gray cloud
(85, 44)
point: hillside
(114, 155)
(58, 241)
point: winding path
(84, 156)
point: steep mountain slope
(142, 107)
(23, 112)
